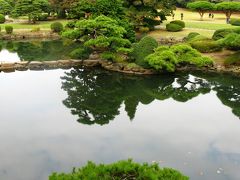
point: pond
(52, 121)
(14, 51)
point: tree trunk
(201, 15)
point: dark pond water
(59, 119)
(13, 51)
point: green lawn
(193, 24)
(25, 26)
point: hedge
(173, 27)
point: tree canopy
(228, 8)
(30, 8)
(201, 7)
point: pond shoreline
(111, 66)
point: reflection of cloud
(6, 56)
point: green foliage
(144, 30)
(30, 8)
(191, 35)
(235, 22)
(198, 38)
(232, 41)
(201, 7)
(80, 53)
(233, 59)
(2, 19)
(70, 25)
(142, 49)
(178, 22)
(121, 170)
(173, 27)
(207, 46)
(167, 58)
(56, 27)
(102, 34)
(9, 29)
(222, 33)
(145, 13)
(228, 8)
(42, 17)
(6, 8)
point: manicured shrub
(80, 53)
(207, 46)
(57, 27)
(142, 49)
(235, 22)
(222, 33)
(120, 170)
(232, 41)
(178, 22)
(191, 35)
(198, 38)
(70, 25)
(9, 29)
(167, 58)
(233, 59)
(42, 17)
(173, 27)
(2, 19)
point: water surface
(59, 119)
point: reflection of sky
(39, 135)
(6, 56)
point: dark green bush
(173, 27)
(233, 59)
(80, 53)
(142, 49)
(222, 33)
(235, 22)
(2, 19)
(167, 58)
(119, 171)
(57, 27)
(178, 22)
(9, 29)
(42, 17)
(231, 41)
(191, 35)
(207, 46)
(70, 25)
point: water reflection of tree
(227, 88)
(40, 50)
(95, 96)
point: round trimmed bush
(9, 29)
(198, 38)
(178, 22)
(142, 49)
(173, 27)
(207, 46)
(191, 35)
(120, 170)
(42, 17)
(2, 19)
(57, 27)
(222, 33)
(235, 22)
(232, 41)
